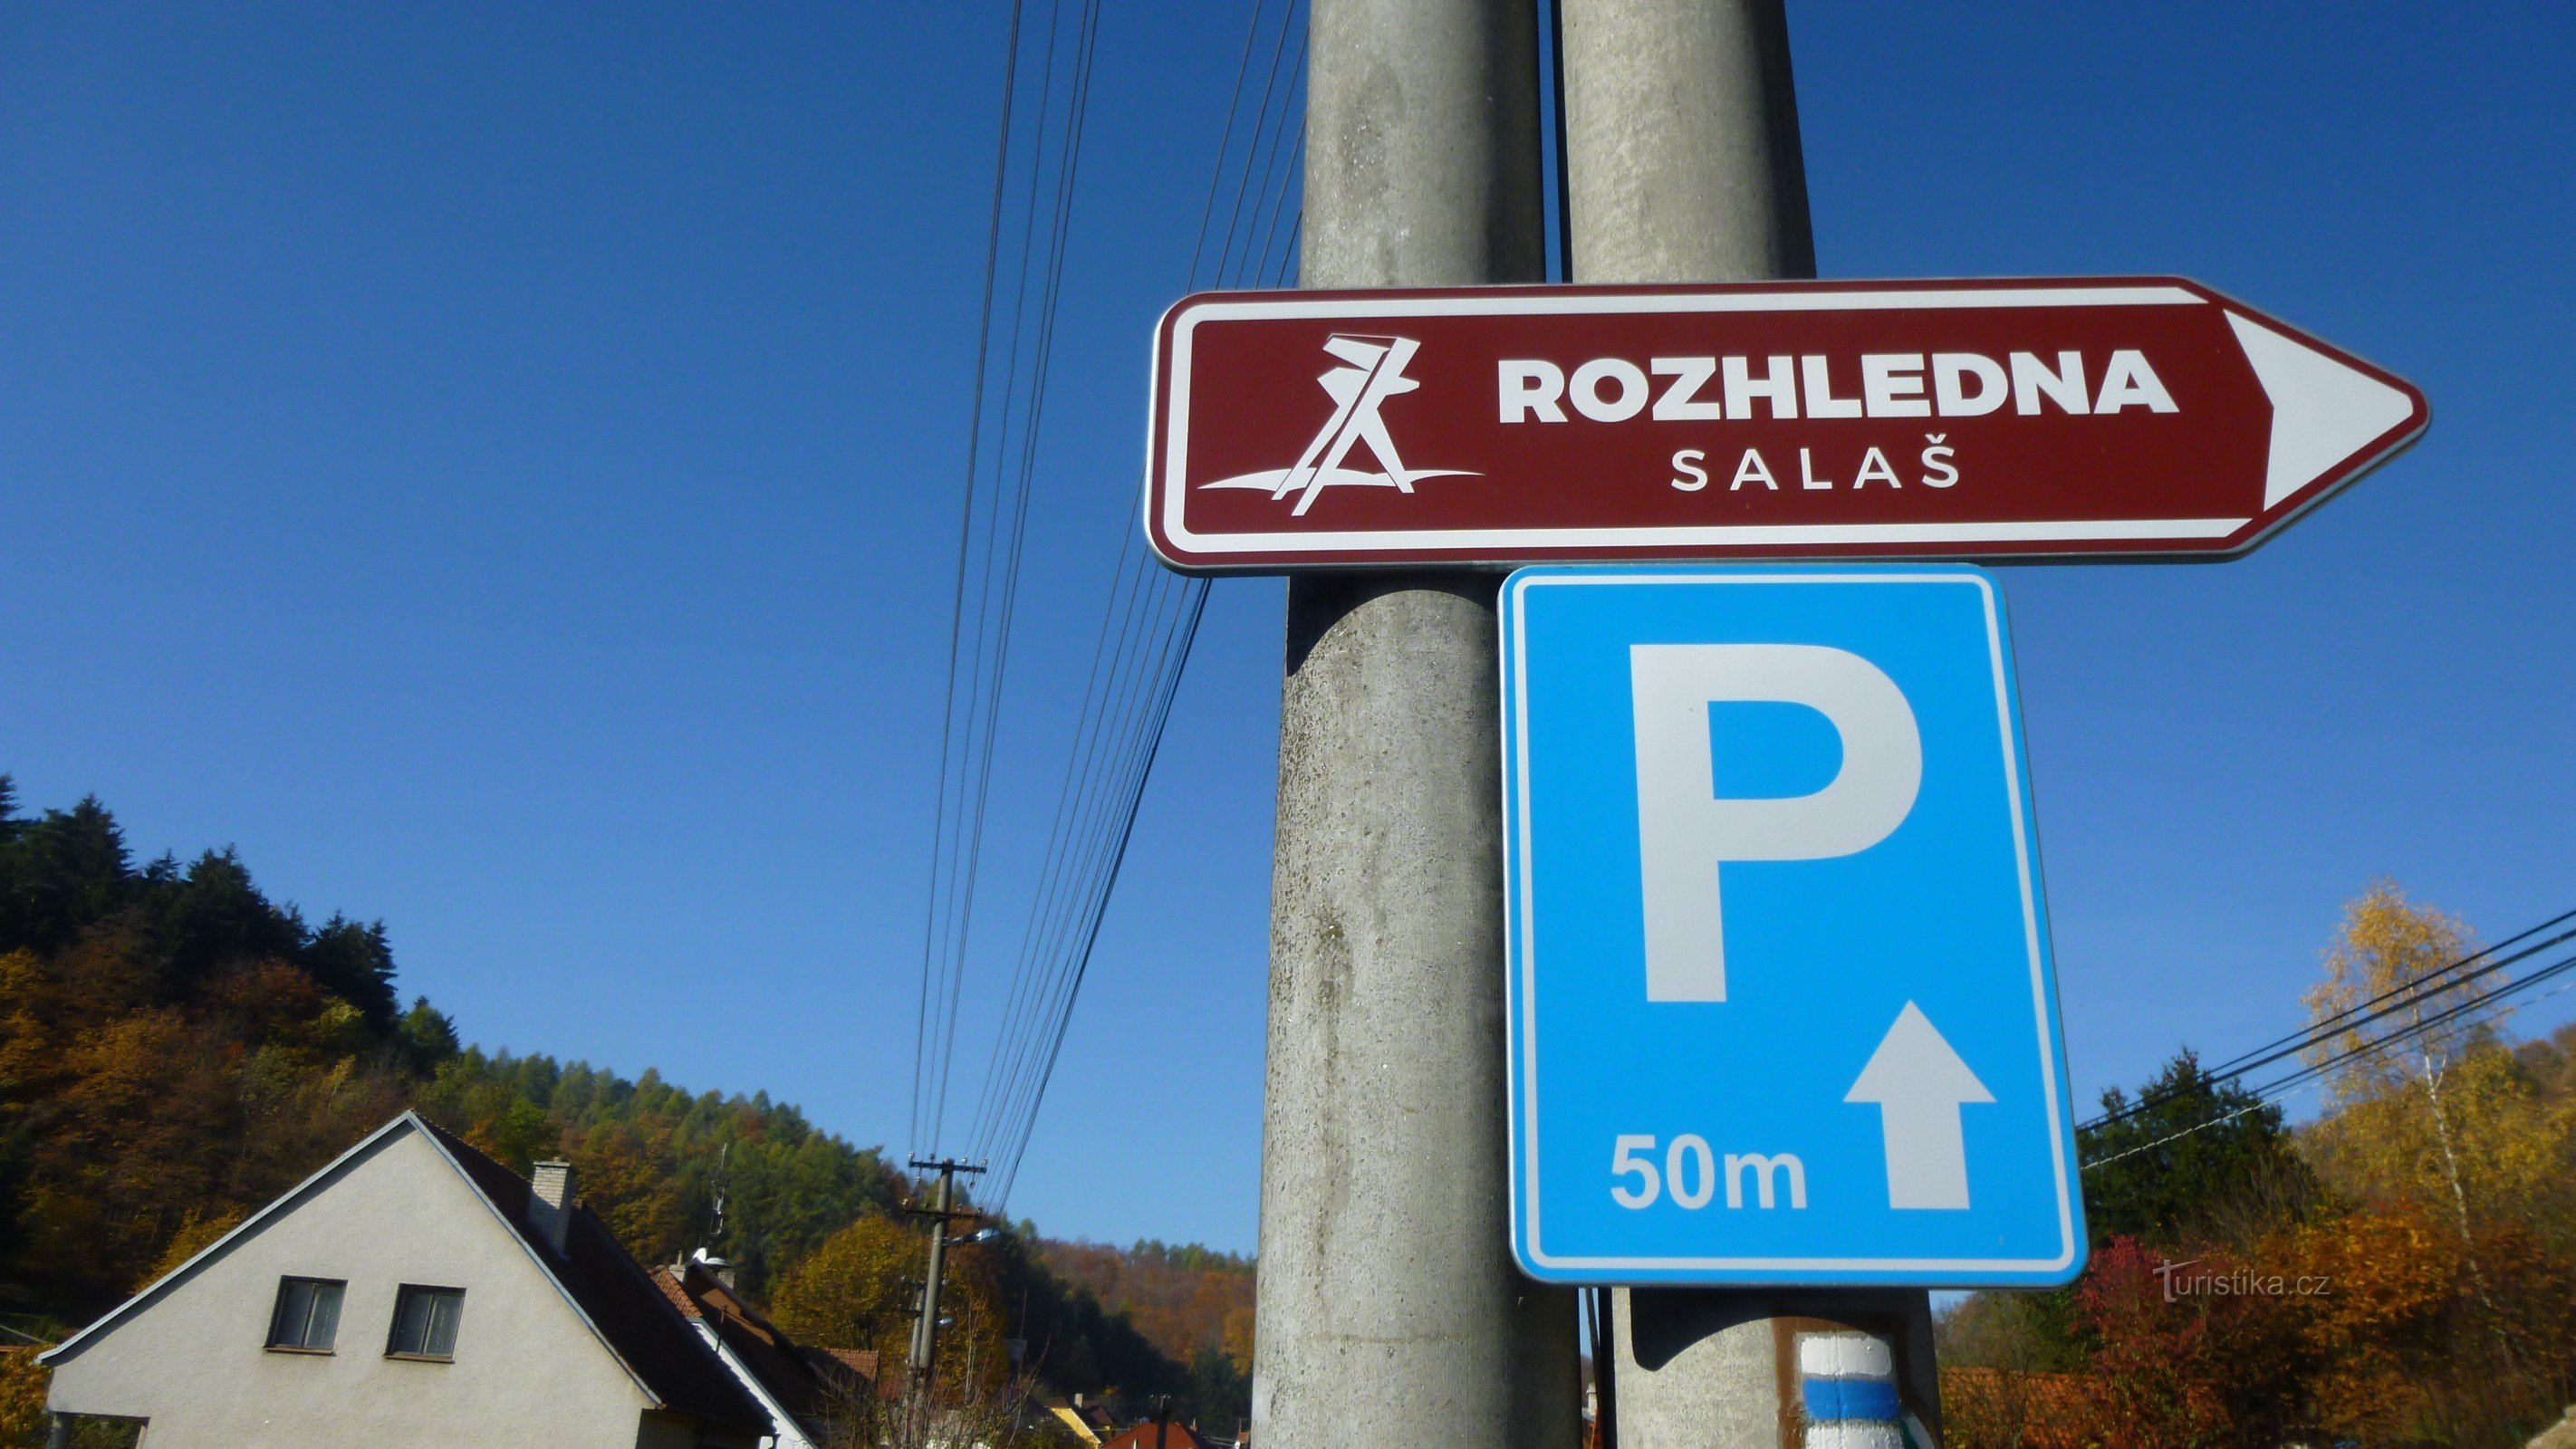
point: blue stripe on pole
(1832, 1399)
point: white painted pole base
(1775, 1369)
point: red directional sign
(1965, 419)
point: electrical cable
(1014, 1139)
(2271, 1093)
(1127, 831)
(2425, 983)
(1072, 806)
(1296, 166)
(2417, 1030)
(1216, 176)
(1051, 292)
(1243, 182)
(2359, 1014)
(1139, 659)
(1100, 853)
(965, 529)
(1007, 407)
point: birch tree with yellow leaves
(2432, 1107)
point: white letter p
(1685, 830)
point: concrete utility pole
(1389, 1308)
(1682, 164)
(1681, 138)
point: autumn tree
(175, 1048)
(23, 1420)
(860, 1289)
(2400, 1332)
(2399, 1020)
(1183, 1298)
(627, 1177)
(853, 1291)
(2171, 1366)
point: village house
(416, 1292)
(804, 1390)
(1159, 1435)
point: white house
(413, 1292)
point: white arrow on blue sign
(1781, 1005)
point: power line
(1076, 928)
(1216, 175)
(1243, 183)
(2272, 1093)
(1028, 454)
(2253, 1106)
(2358, 1015)
(1073, 927)
(993, 518)
(1020, 1118)
(965, 531)
(1296, 164)
(1051, 291)
(1091, 935)
(2414, 1031)
(1138, 659)
(2362, 1013)
(1082, 816)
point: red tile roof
(1173, 1436)
(808, 1382)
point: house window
(98, 1431)
(308, 1314)
(425, 1322)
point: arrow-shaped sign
(1919, 1083)
(1948, 419)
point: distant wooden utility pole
(925, 1326)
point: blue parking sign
(1781, 1004)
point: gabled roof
(806, 1382)
(1171, 1436)
(605, 1287)
(616, 1296)
(860, 1361)
(1089, 1422)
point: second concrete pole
(1683, 164)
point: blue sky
(498, 469)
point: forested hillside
(176, 1049)
(1192, 1304)
(2401, 1270)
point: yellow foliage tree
(860, 1290)
(2397, 1012)
(2394, 1317)
(198, 1229)
(2511, 1146)
(22, 1397)
(2383, 1283)
(2434, 1111)
(634, 1188)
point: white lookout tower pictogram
(1375, 373)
